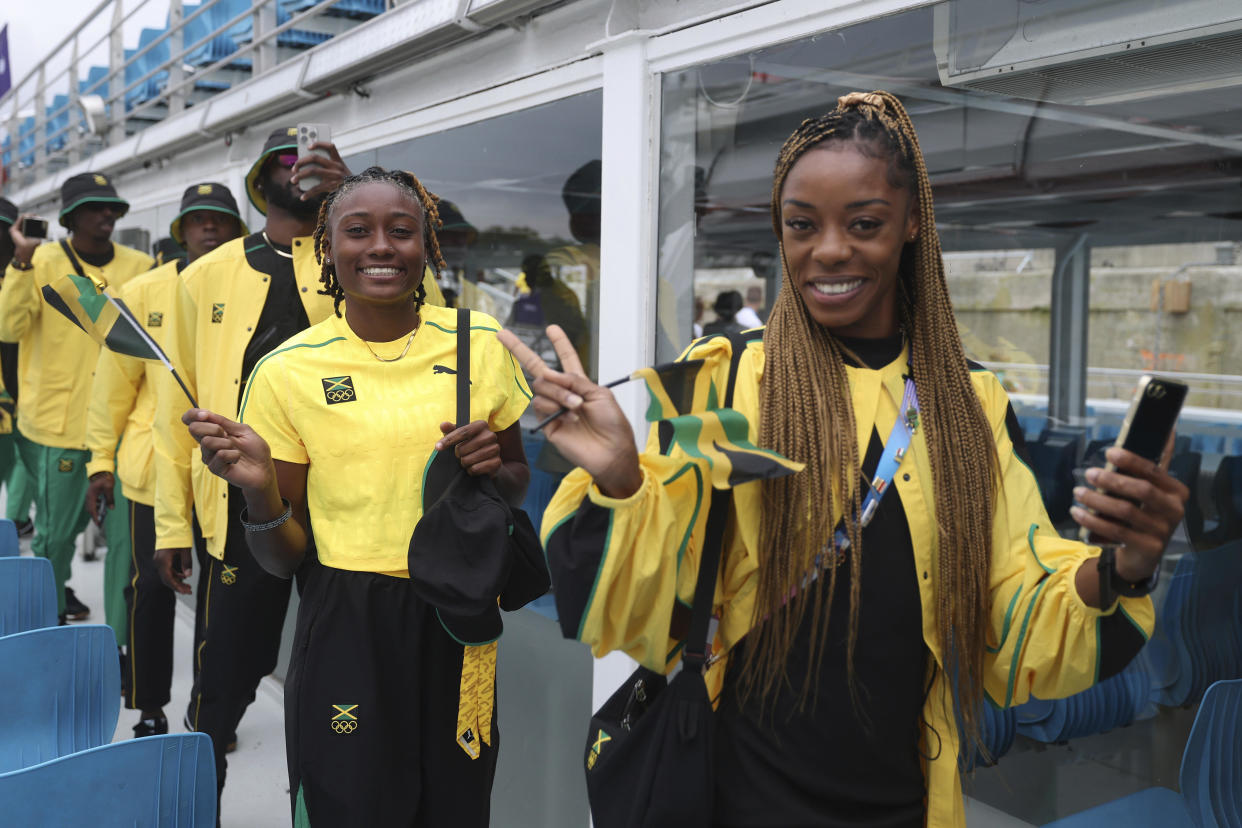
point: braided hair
(800, 511)
(402, 180)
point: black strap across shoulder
(463, 366)
(694, 654)
(73, 259)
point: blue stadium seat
(62, 693)
(1210, 778)
(1227, 495)
(1211, 774)
(57, 123)
(356, 9)
(27, 595)
(166, 781)
(9, 544)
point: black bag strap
(463, 366)
(694, 653)
(73, 260)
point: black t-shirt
(833, 765)
(283, 314)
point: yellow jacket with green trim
(123, 400)
(217, 306)
(56, 361)
(620, 565)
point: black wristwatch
(1113, 586)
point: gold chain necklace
(404, 350)
(275, 249)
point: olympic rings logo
(340, 395)
(344, 727)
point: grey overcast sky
(37, 26)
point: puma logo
(440, 369)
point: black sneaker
(151, 727)
(26, 528)
(75, 610)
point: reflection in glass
(520, 202)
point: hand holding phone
(33, 227)
(1134, 504)
(309, 134)
(1147, 428)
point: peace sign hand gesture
(232, 450)
(594, 433)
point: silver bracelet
(271, 524)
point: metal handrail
(116, 95)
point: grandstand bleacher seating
(62, 693)
(27, 594)
(161, 781)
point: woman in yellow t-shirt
(339, 426)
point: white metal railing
(32, 154)
(1217, 391)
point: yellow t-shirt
(368, 429)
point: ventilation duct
(1086, 51)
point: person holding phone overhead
(869, 604)
(56, 364)
(342, 426)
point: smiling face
(375, 235)
(844, 225)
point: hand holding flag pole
(684, 399)
(107, 320)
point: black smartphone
(1149, 422)
(101, 508)
(33, 228)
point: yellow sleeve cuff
(103, 464)
(600, 499)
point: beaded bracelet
(271, 524)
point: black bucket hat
(86, 188)
(8, 213)
(206, 196)
(471, 555)
(285, 138)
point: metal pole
(176, 42)
(116, 77)
(1067, 345)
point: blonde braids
(801, 511)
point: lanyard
(890, 461)
(833, 552)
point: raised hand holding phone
(1133, 505)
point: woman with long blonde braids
(860, 632)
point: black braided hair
(402, 180)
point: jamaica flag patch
(338, 389)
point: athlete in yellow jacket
(57, 362)
(124, 401)
(839, 697)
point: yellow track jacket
(57, 360)
(217, 307)
(123, 400)
(619, 566)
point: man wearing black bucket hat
(237, 303)
(8, 368)
(124, 402)
(56, 362)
